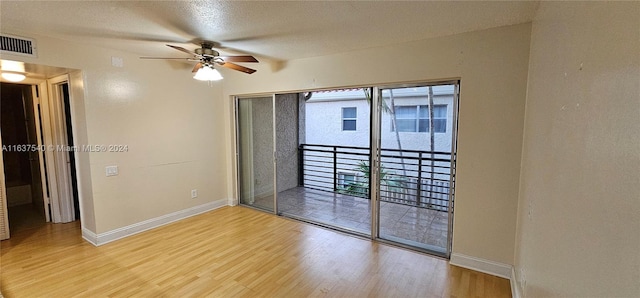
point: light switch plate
(117, 62)
(112, 170)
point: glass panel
(349, 125)
(255, 146)
(423, 125)
(405, 125)
(424, 111)
(415, 183)
(440, 125)
(439, 111)
(404, 112)
(349, 112)
(346, 180)
(287, 152)
(333, 171)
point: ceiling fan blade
(237, 67)
(181, 49)
(196, 67)
(165, 58)
(239, 58)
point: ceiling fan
(207, 57)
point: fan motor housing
(205, 51)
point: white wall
(492, 65)
(324, 125)
(170, 122)
(581, 155)
(418, 140)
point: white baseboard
(515, 289)
(113, 235)
(481, 265)
(233, 202)
(91, 237)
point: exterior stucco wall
(324, 125)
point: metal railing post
(419, 182)
(317, 172)
(335, 169)
(301, 165)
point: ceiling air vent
(17, 45)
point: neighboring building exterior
(329, 118)
(341, 118)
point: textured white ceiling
(279, 30)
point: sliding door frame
(274, 153)
(239, 184)
(374, 160)
(374, 157)
(376, 137)
(453, 167)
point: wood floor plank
(229, 252)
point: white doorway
(23, 191)
(58, 141)
(48, 147)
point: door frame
(375, 153)
(247, 158)
(376, 137)
(238, 153)
(42, 97)
(55, 140)
(39, 95)
(4, 211)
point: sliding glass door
(255, 131)
(416, 174)
(376, 161)
(323, 158)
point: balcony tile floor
(416, 226)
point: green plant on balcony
(361, 188)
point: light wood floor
(229, 252)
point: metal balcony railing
(416, 178)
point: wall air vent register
(17, 45)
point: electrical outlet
(194, 193)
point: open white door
(38, 97)
(4, 215)
(57, 153)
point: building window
(346, 179)
(349, 116)
(416, 118)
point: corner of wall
(515, 285)
(90, 236)
(482, 265)
(489, 267)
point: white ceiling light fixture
(13, 76)
(207, 73)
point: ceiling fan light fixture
(207, 73)
(13, 76)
